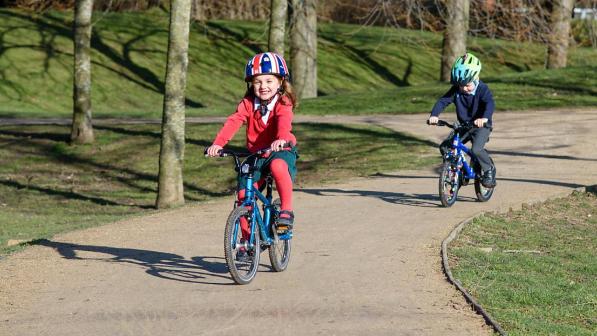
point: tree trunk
(303, 48)
(82, 128)
(277, 26)
(170, 184)
(557, 47)
(197, 10)
(454, 42)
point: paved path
(365, 260)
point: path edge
(448, 273)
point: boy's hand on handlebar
(278, 145)
(432, 120)
(213, 150)
(480, 122)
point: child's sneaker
(285, 221)
(488, 179)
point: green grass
(48, 187)
(539, 276)
(360, 69)
(568, 87)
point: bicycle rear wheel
(483, 193)
(279, 250)
(242, 257)
(448, 184)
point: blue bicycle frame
(459, 150)
(253, 194)
(456, 170)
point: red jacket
(259, 135)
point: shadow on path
(543, 156)
(419, 200)
(201, 269)
(499, 178)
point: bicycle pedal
(281, 231)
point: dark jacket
(468, 107)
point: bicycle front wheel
(448, 184)
(279, 250)
(242, 256)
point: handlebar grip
(438, 123)
(221, 152)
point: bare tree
(82, 128)
(277, 25)
(303, 48)
(197, 10)
(170, 184)
(557, 45)
(454, 43)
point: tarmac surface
(365, 259)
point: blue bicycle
(250, 227)
(456, 170)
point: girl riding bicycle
(266, 109)
(474, 105)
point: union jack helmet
(268, 63)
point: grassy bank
(47, 186)
(396, 69)
(534, 270)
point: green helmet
(466, 69)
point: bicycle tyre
(279, 251)
(448, 184)
(483, 193)
(242, 271)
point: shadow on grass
(360, 56)
(125, 175)
(170, 266)
(157, 135)
(391, 134)
(50, 27)
(69, 194)
(566, 87)
(234, 36)
(57, 137)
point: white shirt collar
(270, 107)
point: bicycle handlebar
(455, 125)
(228, 152)
(237, 155)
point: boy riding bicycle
(474, 105)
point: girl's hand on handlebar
(278, 145)
(480, 122)
(433, 120)
(213, 150)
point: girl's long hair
(288, 91)
(285, 90)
